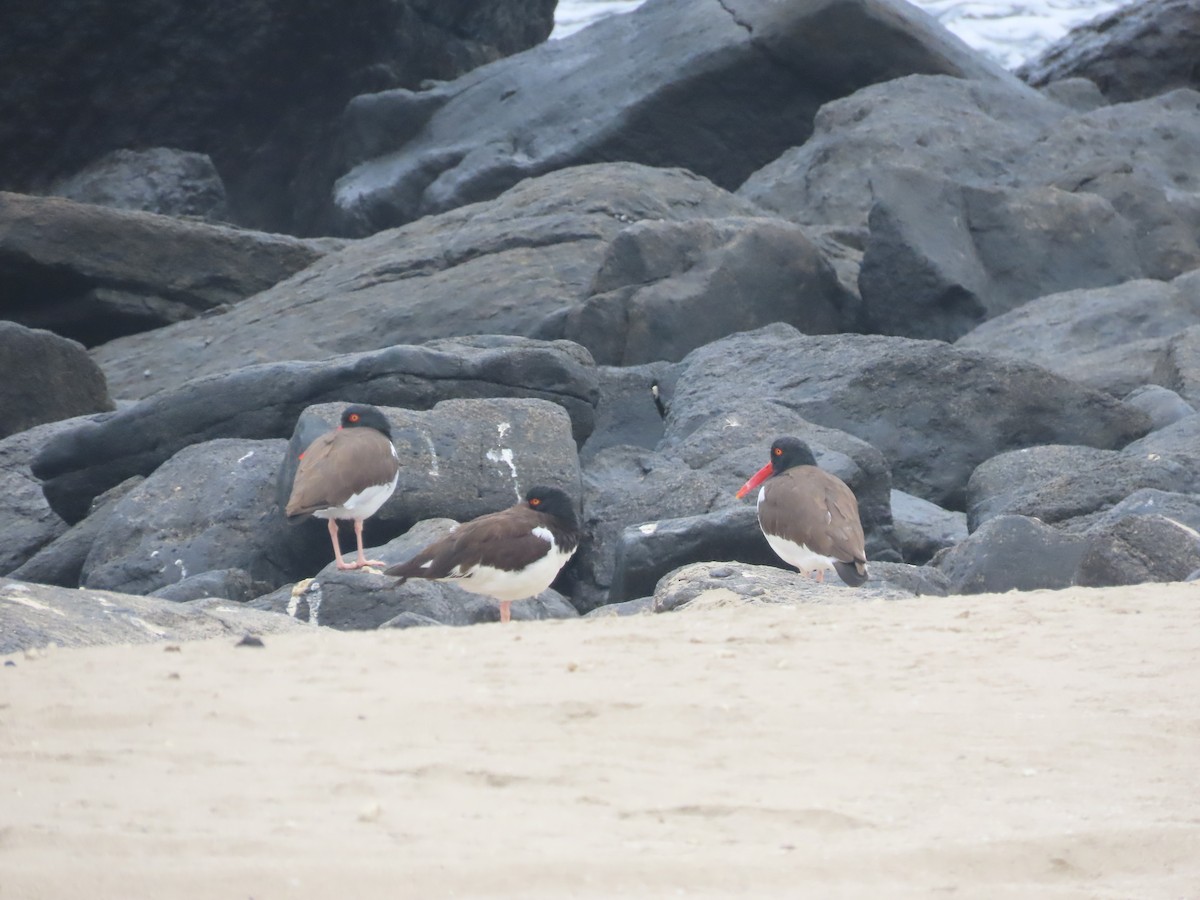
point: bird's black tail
(854, 574)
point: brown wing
(500, 540)
(338, 465)
(810, 506)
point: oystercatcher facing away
(348, 473)
(809, 516)
(509, 555)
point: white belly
(362, 505)
(512, 585)
(798, 555)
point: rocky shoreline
(621, 263)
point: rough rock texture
(236, 585)
(29, 522)
(1181, 438)
(666, 288)
(632, 407)
(1138, 156)
(1055, 483)
(511, 266)
(1136, 51)
(923, 528)
(256, 84)
(159, 180)
(1162, 405)
(934, 411)
(34, 615)
(1135, 549)
(1010, 553)
(94, 273)
(264, 402)
(211, 506)
(458, 460)
(696, 76)
(939, 259)
(1181, 507)
(1178, 368)
(1110, 338)
(713, 584)
(46, 378)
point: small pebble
(250, 640)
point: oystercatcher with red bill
(348, 473)
(809, 516)
(510, 555)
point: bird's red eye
(777, 451)
(535, 501)
(353, 417)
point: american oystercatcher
(809, 516)
(509, 555)
(347, 473)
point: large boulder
(943, 257)
(923, 529)
(259, 402)
(720, 87)
(1055, 483)
(159, 180)
(1012, 553)
(933, 410)
(1136, 51)
(1178, 368)
(35, 615)
(211, 506)
(666, 288)
(94, 273)
(515, 265)
(1139, 157)
(1109, 338)
(256, 84)
(29, 522)
(47, 378)
(1136, 549)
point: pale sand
(1039, 745)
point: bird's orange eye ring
(778, 451)
(353, 417)
(535, 501)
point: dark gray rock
(1055, 483)
(1182, 508)
(29, 522)
(632, 407)
(971, 132)
(61, 561)
(229, 584)
(256, 85)
(642, 606)
(1137, 549)
(1012, 553)
(665, 288)
(1109, 338)
(92, 273)
(514, 265)
(1138, 50)
(719, 88)
(709, 585)
(1178, 368)
(459, 460)
(919, 581)
(1180, 439)
(933, 410)
(211, 506)
(160, 180)
(940, 257)
(1080, 94)
(923, 528)
(355, 600)
(1137, 156)
(46, 378)
(1163, 406)
(35, 615)
(265, 401)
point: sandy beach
(1044, 744)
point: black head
(359, 415)
(552, 502)
(788, 452)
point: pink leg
(505, 610)
(820, 576)
(362, 556)
(337, 548)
